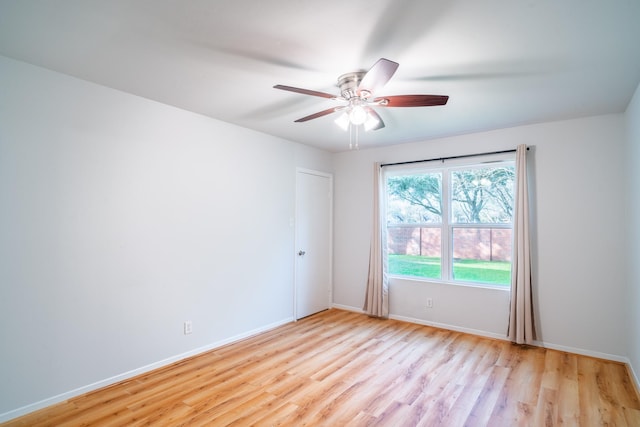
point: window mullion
(445, 257)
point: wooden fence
(487, 244)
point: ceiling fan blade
(318, 114)
(378, 76)
(305, 91)
(412, 100)
(373, 113)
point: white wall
(632, 323)
(120, 218)
(576, 178)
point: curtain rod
(449, 158)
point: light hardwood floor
(339, 368)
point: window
(451, 223)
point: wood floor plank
(488, 401)
(339, 368)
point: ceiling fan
(358, 90)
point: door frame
(299, 171)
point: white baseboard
(634, 377)
(582, 352)
(449, 327)
(347, 308)
(15, 413)
(428, 323)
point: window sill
(450, 283)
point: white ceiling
(502, 62)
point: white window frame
(447, 225)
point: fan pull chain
(353, 146)
(357, 130)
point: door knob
(300, 253)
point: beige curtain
(376, 302)
(521, 321)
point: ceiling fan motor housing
(348, 84)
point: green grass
(468, 270)
(413, 265)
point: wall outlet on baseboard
(429, 302)
(188, 327)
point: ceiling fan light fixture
(358, 115)
(343, 121)
(349, 118)
(371, 123)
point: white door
(313, 242)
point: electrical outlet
(429, 302)
(188, 327)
